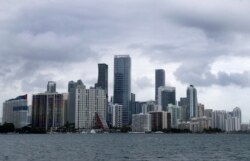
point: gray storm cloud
(50, 34)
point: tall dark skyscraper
(51, 87)
(102, 77)
(192, 102)
(122, 85)
(159, 81)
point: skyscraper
(159, 81)
(51, 87)
(90, 108)
(71, 107)
(166, 95)
(192, 108)
(102, 77)
(122, 85)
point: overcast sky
(205, 43)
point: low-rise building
(141, 122)
(16, 111)
(160, 120)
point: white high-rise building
(219, 120)
(90, 108)
(117, 115)
(232, 123)
(16, 111)
(237, 113)
(141, 122)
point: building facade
(176, 114)
(192, 110)
(159, 81)
(141, 122)
(48, 111)
(160, 120)
(71, 106)
(117, 116)
(51, 87)
(166, 95)
(122, 85)
(102, 77)
(90, 109)
(16, 111)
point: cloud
(44, 36)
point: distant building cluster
(90, 108)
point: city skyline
(199, 45)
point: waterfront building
(192, 110)
(141, 122)
(117, 115)
(183, 125)
(47, 111)
(160, 120)
(51, 87)
(159, 81)
(244, 127)
(237, 113)
(102, 82)
(176, 113)
(198, 125)
(166, 95)
(16, 111)
(122, 85)
(219, 119)
(232, 123)
(90, 108)
(71, 106)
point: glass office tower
(122, 85)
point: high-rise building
(102, 77)
(219, 119)
(159, 81)
(122, 85)
(192, 110)
(237, 113)
(141, 122)
(90, 108)
(183, 103)
(71, 106)
(166, 95)
(51, 87)
(47, 111)
(117, 116)
(232, 123)
(175, 114)
(16, 111)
